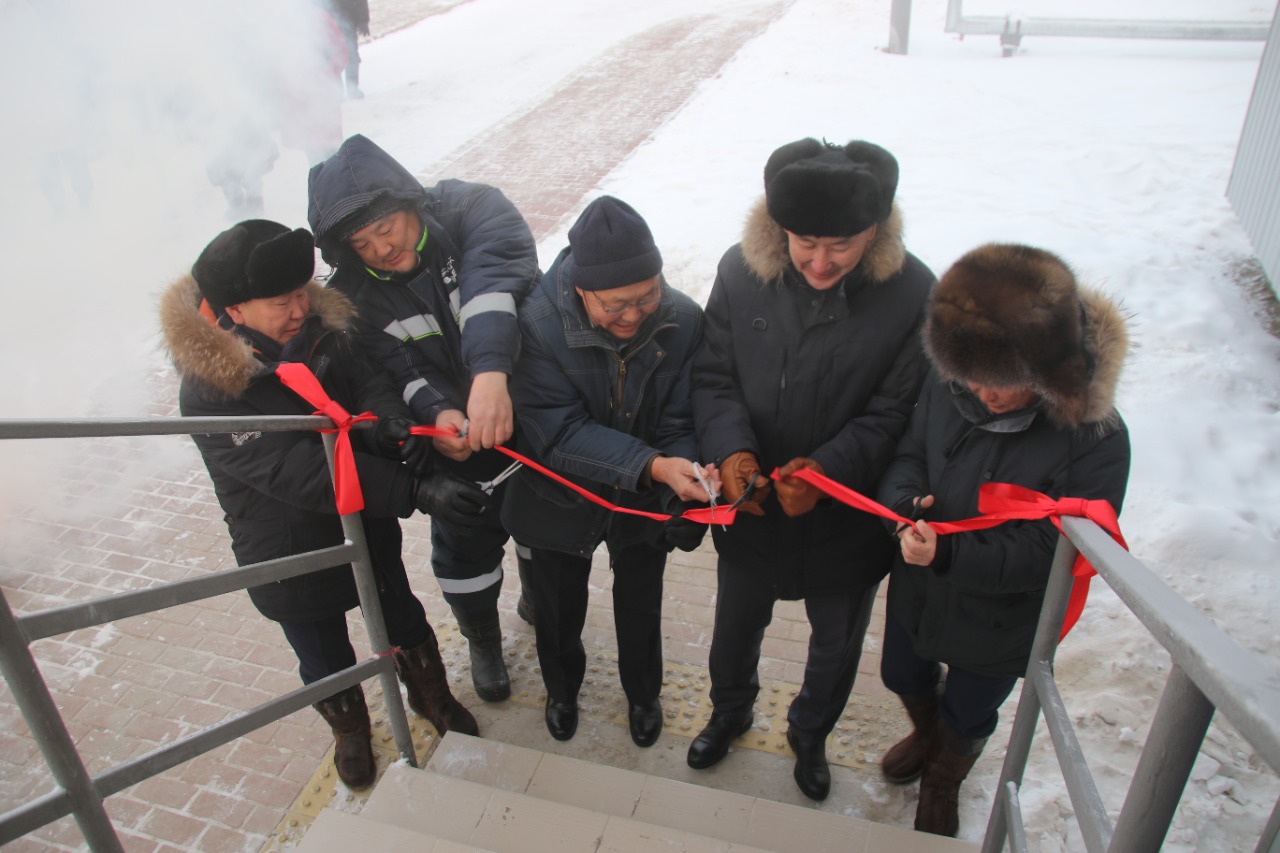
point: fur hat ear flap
(1010, 316)
(254, 259)
(821, 190)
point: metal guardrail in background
(1011, 30)
(1210, 672)
(81, 794)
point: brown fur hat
(1013, 316)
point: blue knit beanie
(612, 246)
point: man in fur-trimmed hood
(249, 304)
(811, 359)
(1026, 363)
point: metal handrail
(1210, 672)
(81, 794)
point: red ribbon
(703, 515)
(998, 503)
(346, 481)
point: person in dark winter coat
(249, 304)
(436, 274)
(1022, 391)
(812, 360)
(603, 395)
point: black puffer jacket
(597, 416)
(788, 371)
(977, 606)
(275, 487)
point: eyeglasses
(615, 310)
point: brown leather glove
(796, 496)
(735, 476)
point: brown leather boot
(348, 716)
(422, 672)
(948, 762)
(904, 762)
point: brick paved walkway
(129, 513)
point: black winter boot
(422, 672)
(488, 669)
(904, 762)
(948, 762)
(348, 717)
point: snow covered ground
(1113, 154)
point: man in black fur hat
(812, 360)
(248, 305)
(1023, 391)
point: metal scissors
(748, 491)
(713, 494)
(488, 486)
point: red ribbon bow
(998, 503)
(346, 481)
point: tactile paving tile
(858, 741)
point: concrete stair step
(503, 797)
(340, 832)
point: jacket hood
(358, 174)
(223, 363)
(764, 246)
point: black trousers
(323, 646)
(558, 586)
(970, 700)
(744, 609)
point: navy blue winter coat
(596, 415)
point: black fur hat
(612, 246)
(1011, 316)
(817, 189)
(254, 259)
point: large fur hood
(222, 363)
(1014, 316)
(764, 246)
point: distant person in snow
(1025, 366)
(602, 393)
(353, 20)
(436, 273)
(812, 360)
(248, 305)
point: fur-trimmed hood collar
(224, 363)
(764, 246)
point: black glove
(395, 442)
(682, 533)
(451, 499)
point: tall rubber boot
(488, 669)
(904, 762)
(948, 762)
(422, 672)
(348, 717)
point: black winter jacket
(977, 606)
(453, 317)
(596, 415)
(275, 487)
(788, 371)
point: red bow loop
(346, 479)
